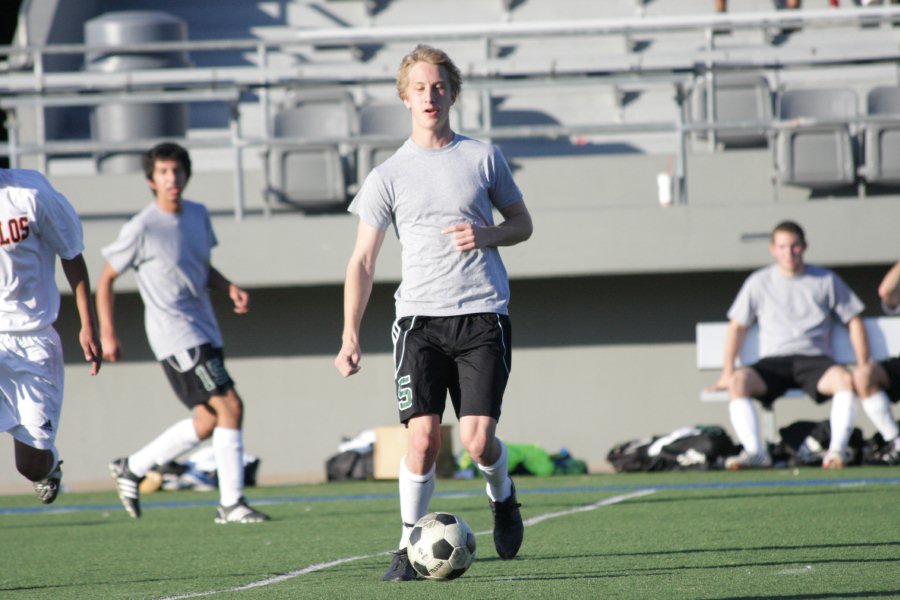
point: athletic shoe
(127, 486)
(508, 526)
(834, 459)
(400, 569)
(745, 460)
(890, 455)
(239, 513)
(47, 489)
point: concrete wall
(597, 360)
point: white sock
(228, 446)
(843, 412)
(174, 441)
(497, 476)
(878, 408)
(746, 425)
(415, 496)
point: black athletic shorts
(892, 367)
(781, 373)
(198, 374)
(468, 356)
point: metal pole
(236, 145)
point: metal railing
(35, 88)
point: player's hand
(93, 350)
(347, 361)
(466, 236)
(111, 349)
(240, 298)
(721, 384)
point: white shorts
(31, 386)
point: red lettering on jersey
(15, 231)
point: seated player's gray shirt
(170, 254)
(795, 314)
(422, 192)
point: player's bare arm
(77, 275)
(859, 340)
(889, 290)
(357, 289)
(734, 337)
(516, 227)
(239, 297)
(112, 350)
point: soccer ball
(441, 546)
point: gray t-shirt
(795, 314)
(423, 191)
(170, 254)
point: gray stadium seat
(738, 97)
(390, 119)
(313, 175)
(820, 155)
(882, 137)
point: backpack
(350, 465)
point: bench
(884, 342)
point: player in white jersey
(37, 224)
(452, 332)
(878, 383)
(168, 244)
(795, 305)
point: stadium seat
(882, 136)
(816, 150)
(389, 119)
(313, 174)
(738, 97)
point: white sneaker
(748, 461)
(834, 459)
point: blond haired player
(453, 331)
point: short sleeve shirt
(170, 254)
(37, 225)
(422, 191)
(795, 314)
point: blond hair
(434, 56)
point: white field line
(333, 563)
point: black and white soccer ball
(441, 546)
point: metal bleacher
(563, 78)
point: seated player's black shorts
(198, 374)
(468, 356)
(892, 367)
(781, 373)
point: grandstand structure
(657, 144)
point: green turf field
(767, 534)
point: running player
(37, 224)
(452, 331)
(168, 244)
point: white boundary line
(327, 565)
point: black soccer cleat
(47, 489)
(508, 527)
(126, 486)
(401, 569)
(239, 512)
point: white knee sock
(843, 412)
(746, 425)
(415, 496)
(878, 408)
(174, 441)
(228, 446)
(497, 476)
